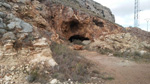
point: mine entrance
(77, 38)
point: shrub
(70, 64)
(136, 56)
(104, 51)
(38, 73)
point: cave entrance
(77, 38)
(74, 25)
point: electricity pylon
(136, 13)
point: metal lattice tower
(136, 13)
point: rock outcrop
(68, 21)
(64, 21)
(123, 42)
(141, 34)
(89, 6)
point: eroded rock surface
(89, 6)
(123, 42)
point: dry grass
(136, 56)
(71, 65)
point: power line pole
(136, 13)
(147, 20)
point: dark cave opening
(100, 24)
(77, 37)
(74, 25)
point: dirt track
(124, 71)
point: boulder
(2, 25)
(54, 81)
(26, 27)
(14, 24)
(19, 24)
(2, 15)
(10, 16)
(11, 25)
(2, 31)
(6, 5)
(86, 42)
(9, 35)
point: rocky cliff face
(64, 19)
(69, 22)
(89, 6)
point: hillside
(40, 39)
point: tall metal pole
(147, 20)
(136, 13)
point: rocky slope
(121, 42)
(29, 27)
(141, 34)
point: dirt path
(124, 71)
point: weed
(108, 78)
(104, 51)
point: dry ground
(123, 71)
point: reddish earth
(123, 71)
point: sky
(124, 12)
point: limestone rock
(8, 46)
(2, 25)
(2, 31)
(86, 42)
(10, 16)
(9, 35)
(14, 24)
(26, 27)
(24, 1)
(44, 56)
(40, 42)
(54, 81)
(22, 36)
(11, 25)
(19, 24)
(89, 5)
(77, 47)
(6, 5)
(2, 15)
(118, 42)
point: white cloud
(124, 11)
